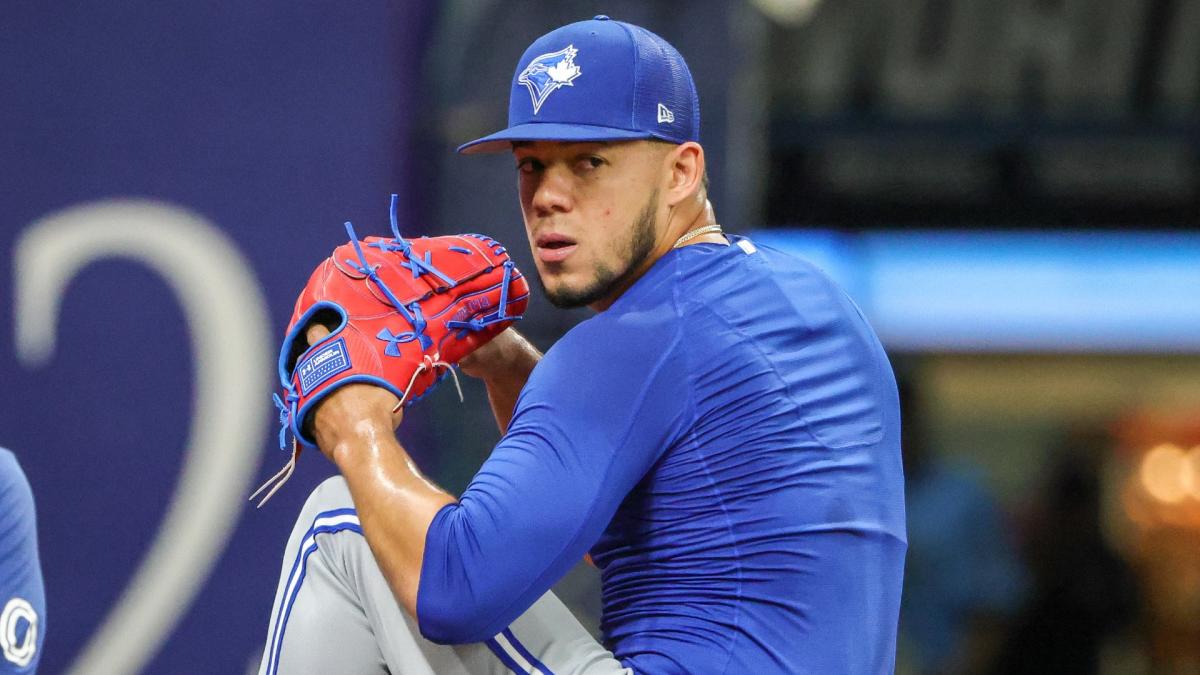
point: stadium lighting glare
(1166, 474)
(787, 12)
(992, 290)
(1192, 472)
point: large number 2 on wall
(228, 322)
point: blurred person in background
(1083, 594)
(963, 582)
(22, 595)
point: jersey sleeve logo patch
(18, 632)
(549, 72)
(323, 364)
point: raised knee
(330, 495)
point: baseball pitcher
(721, 437)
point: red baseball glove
(401, 312)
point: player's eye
(529, 165)
(591, 162)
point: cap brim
(548, 131)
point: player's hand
(495, 357)
(352, 410)
(504, 364)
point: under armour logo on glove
(393, 349)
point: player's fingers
(315, 333)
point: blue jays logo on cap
(549, 72)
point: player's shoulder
(750, 277)
(744, 263)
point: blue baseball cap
(598, 80)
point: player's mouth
(553, 248)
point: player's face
(591, 212)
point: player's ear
(685, 167)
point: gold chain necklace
(698, 232)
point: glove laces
(429, 363)
(286, 410)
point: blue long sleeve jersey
(22, 596)
(724, 440)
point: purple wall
(273, 122)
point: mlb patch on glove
(401, 312)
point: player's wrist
(354, 442)
(497, 360)
(356, 414)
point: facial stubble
(605, 279)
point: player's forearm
(395, 503)
(504, 387)
(504, 365)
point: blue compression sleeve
(596, 414)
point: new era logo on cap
(665, 114)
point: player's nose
(553, 192)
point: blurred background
(1010, 191)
